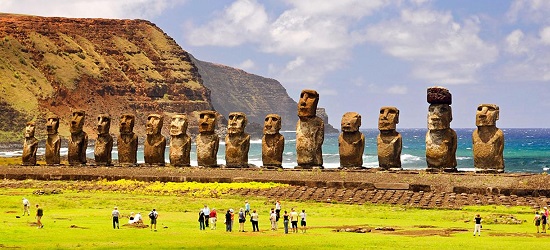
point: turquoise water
(525, 150)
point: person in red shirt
(213, 219)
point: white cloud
(143, 9)
(514, 43)
(248, 64)
(527, 56)
(545, 35)
(339, 9)
(441, 49)
(530, 10)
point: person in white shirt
(206, 211)
(115, 214)
(26, 206)
(303, 220)
(294, 220)
(278, 209)
(273, 219)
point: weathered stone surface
(104, 143)
(441, 140)
(127, 142)
(392, 186)
(488, 140)
(207, 141)
(53, 142)
(30, 145)
(237, 142)
(273, 142)
(439, 95)
(389, 141)
(180, 142)
(351, 142)
(155, 142)
(78, 141)
(309, 132)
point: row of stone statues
(441, 140)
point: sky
(361, 55)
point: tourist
(278, 209)
(246, 208)
(131, 219)
(231, 211)
(294, 220)
(544, 219)
(153, 215)
(537, 220)
(201, 220)
(206, 211)
(303, 220)
(254, 217)
(26, 207)
(213, 219)
(242, 219)
(285, 221)
(228, 221)
(115, 214)
(39, 214)
(273, 219)
(477, 227)
(138, 219)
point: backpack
(152, 215)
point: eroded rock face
(207, 141)
(180, 142)
(389, 141)
(237, 142)
(53, 142)
(309, 132)
(273, 142)
(78, 141)
(488, 140)
(351, 142)
(127, 142)
(104, 143)
(441, 140)
(29, 146)
(155, 142)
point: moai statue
(488, 140)
(104, 142)
(180, 142)
(127, 142)
(441, 140)
(78, 141)
(273, 143)
(351, 142)
(29, 146)
(207, 141)
(155, 142)
(237, 142)
(53, 142)
(310, 132)
(389, 141)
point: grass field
(81, 220)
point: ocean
(526, 150)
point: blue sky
(361, 55)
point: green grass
(178, 226)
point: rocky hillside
(99, 65)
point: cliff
(99, 65)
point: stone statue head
(388, 118)
(52, 124)
(351, 121)
(29, 130)
(154, 124)
(272, 124)
(487, 115)
(237, 123)
(178, 125)
(126, 125)
(307, 105)
(103, 124)
(207, 121)
(439, 116)
(77, 121)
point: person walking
(543, 220)
(278, 209)
(39, 214)
(115, 214)
(477, 227)
(273, 219)
(228, 221)
(26, 207)
(213, 219)
(303, 220)
(246, 208)
(254, 217)
(153, 215)
(537, 220)
(206, 211)
(242, 219)
(201, 220)
(285, 221)
(294, 220)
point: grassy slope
(91, 212)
